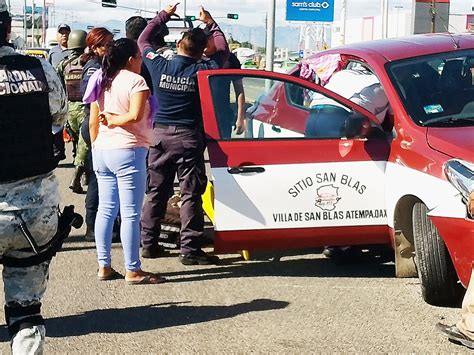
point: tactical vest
(25, 120)
(72, 79)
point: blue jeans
(121, 176)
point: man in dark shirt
(60, 52)
(178, 137)
(228, 116)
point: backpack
(72, 79)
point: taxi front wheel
(439, 281)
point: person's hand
(107, 119)
(102, 119)
(240, 125)
(205, 16)
(171, 9)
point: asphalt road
(300, 304)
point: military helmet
(77, 40)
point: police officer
(70, 72)
(178, 133)
(61, 50)
(32, 100)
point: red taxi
(404, 183)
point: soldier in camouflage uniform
(31, 94)
(70, 71)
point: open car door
(308, 171)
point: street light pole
(43, 25)
(32, 23)
(25, 31)
(384, 18)
(433, 16)
(270, 43)
(343, 21)
(398, 7)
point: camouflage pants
(32, 200)
(74, 121)
(81, 152)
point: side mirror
(357, 126)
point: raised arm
(222, 48)
(161, 18)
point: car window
(437, 90)
(276, 109)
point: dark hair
(134, 26)
(96, 37)
(116, 59)
(157, 38)
(194, 42)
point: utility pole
(398, 7)
(270, 43)
(43, 23)
(384, 18)
(25, 30)
(343, 21)
(32, 23)
(433, 16)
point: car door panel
(298, 191)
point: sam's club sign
(315, 11)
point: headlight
(461, 174)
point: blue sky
(251, 12)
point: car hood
(456, 142)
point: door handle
(246, 169)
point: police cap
(64, 26)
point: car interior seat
(418, 86)
(326, 121)
(426, 76)
(455, 76)
(454, 82)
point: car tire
(438, 278)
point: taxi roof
(393, 49)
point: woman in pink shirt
(120, 130)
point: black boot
(90, 235)
(85, 179)
(75, 185)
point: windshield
(437, 90)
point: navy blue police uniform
(177, 145)
(92, 197)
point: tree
(246, 44)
